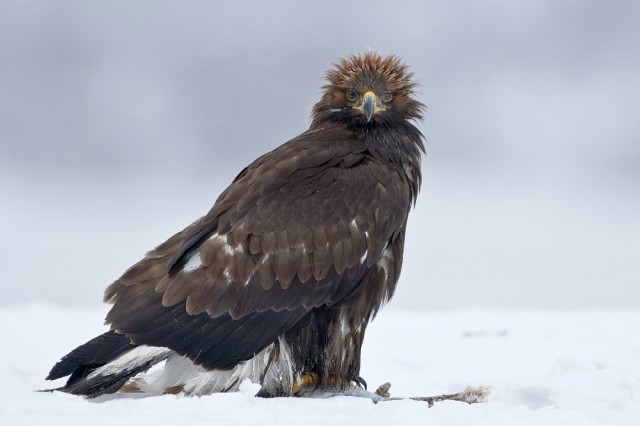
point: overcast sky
(120, 123)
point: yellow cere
(370, 94)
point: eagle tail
(104, 364)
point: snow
(544, 367)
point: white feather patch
(228, 249)
(385, 260)
(363, 258)
(179, 371)
(193, 263)
(131, 360)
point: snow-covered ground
(544, 367)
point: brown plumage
(293, 260)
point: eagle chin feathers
(278, 281)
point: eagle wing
(301, 227)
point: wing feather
(299, 228)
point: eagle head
(368, 88)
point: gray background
(120, 123)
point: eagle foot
(310, 381)
(304, 380)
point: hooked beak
(369, 105)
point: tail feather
(104, 364)
(95, 353)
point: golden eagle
(278, 281)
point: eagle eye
(352, 95)
(386, 97)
